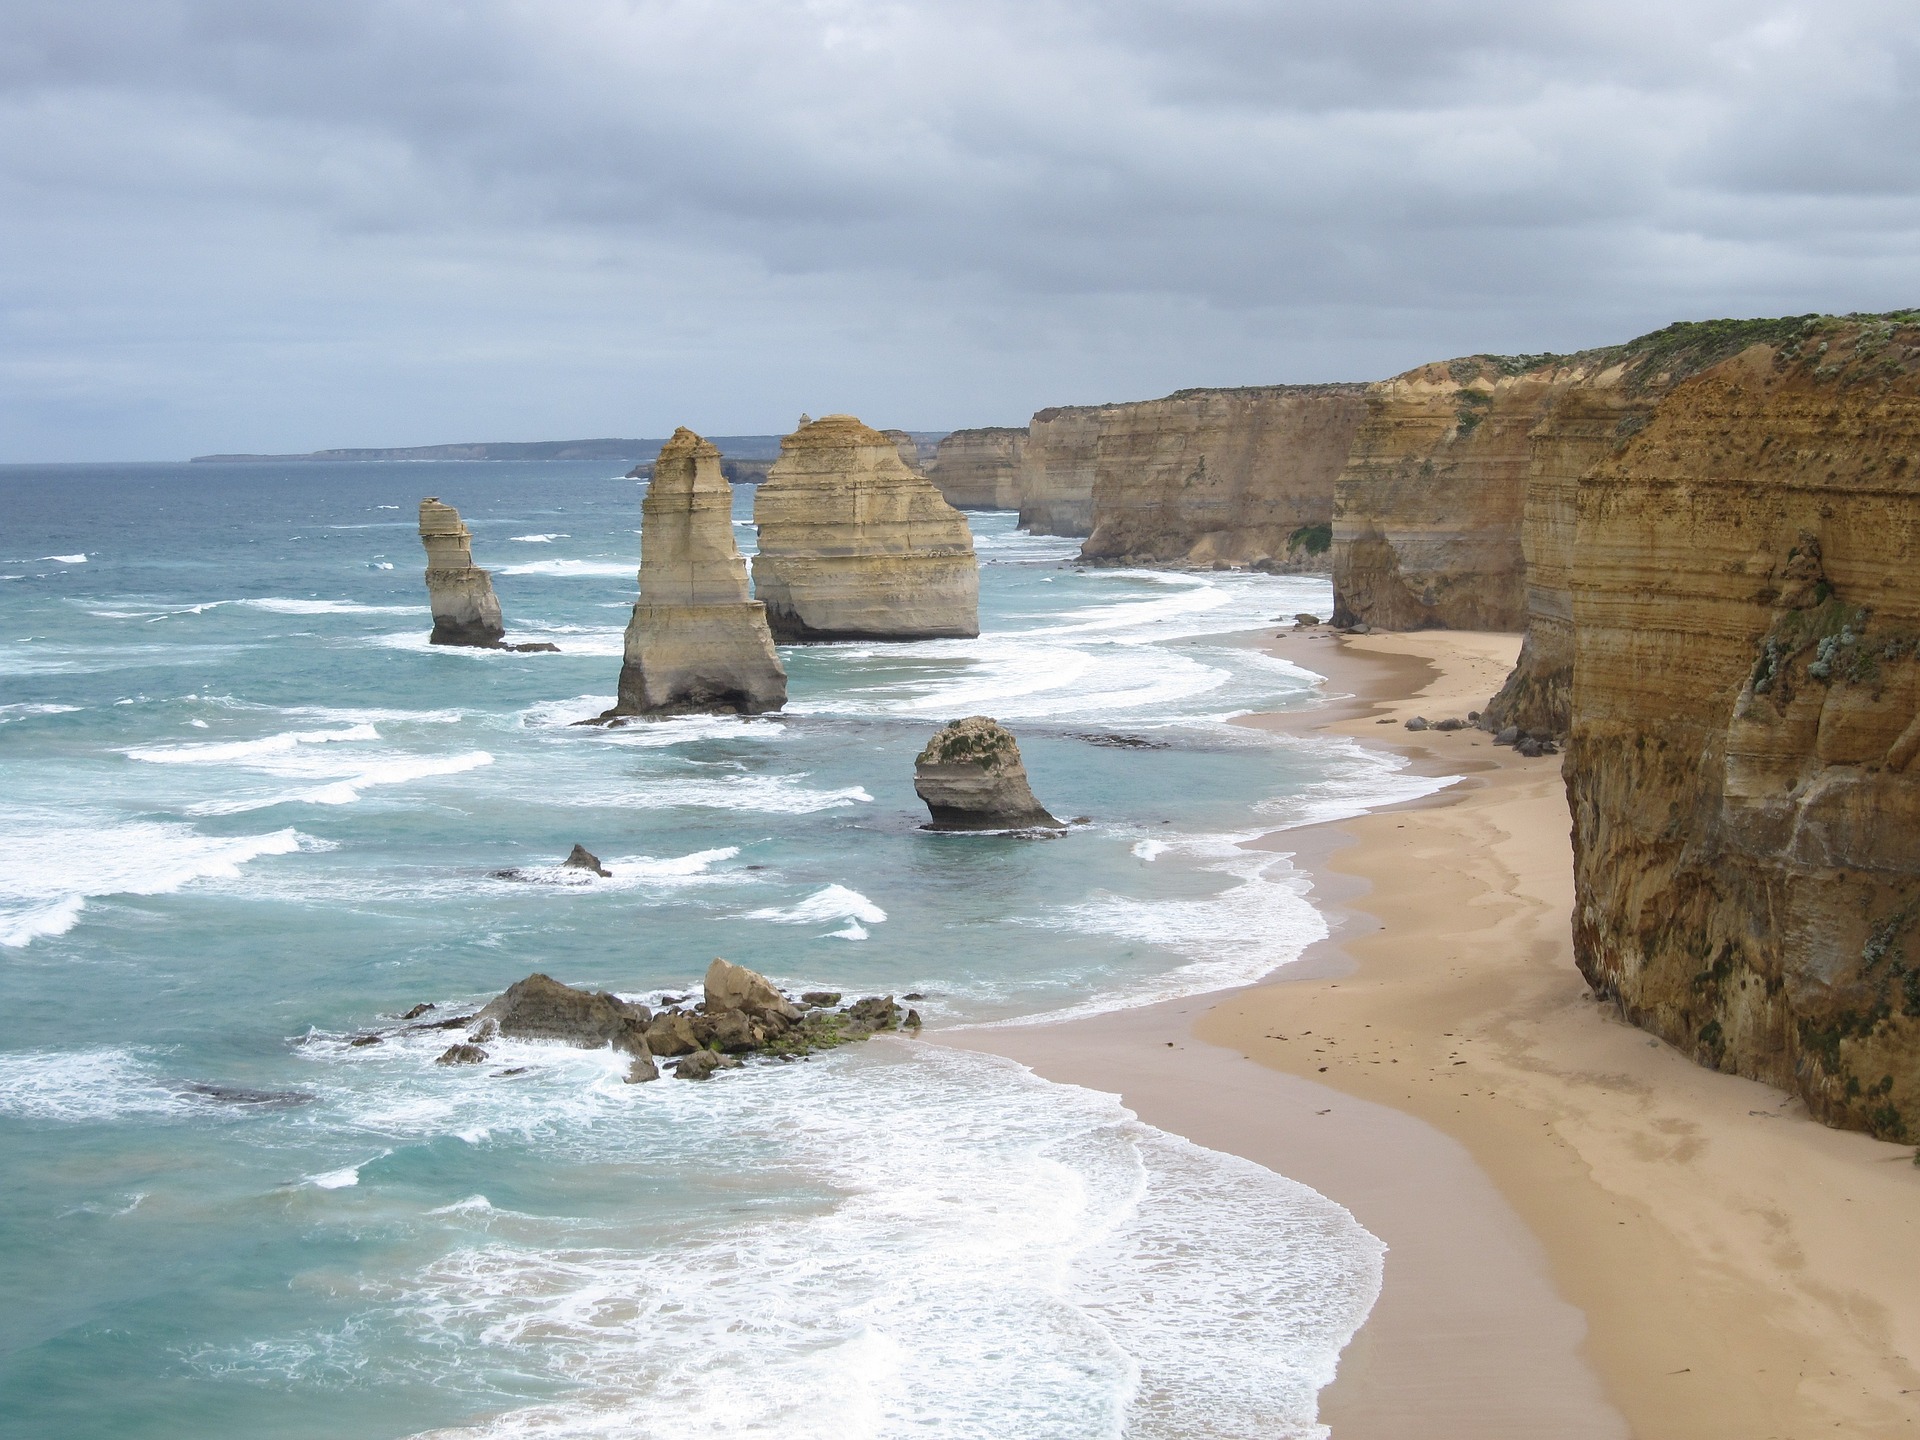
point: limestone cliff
(1746, 671)
(1427, 511)
(980, 469)
(465, 611)
(855, 546)
(1056, 469)
(697, 642)
(1241, 477)
(972, 778)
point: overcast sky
(287, 224)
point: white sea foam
(1365, 779)
(576, 569)
(341, 1179)
(279, 606)
(80, 559)
(363, 774)
(42, 892)
(228, 752)
(768, 794)
(79, 1085)
(25, 710)
(539, 539)
(835, 902)
(643, 872)
(989, 1255)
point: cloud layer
(262, 224)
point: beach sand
(1589, 1235)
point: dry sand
(1589, 1235)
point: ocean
(247, 813)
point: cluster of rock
(855, 545)
(697, 641)
(740, 1014)
(972, 778)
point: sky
(261, 225)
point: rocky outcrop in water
(980, 469)
(1746, 716)
(855, 546)
(1223, 477)
(697, 643)
(971, 778)
(465, 611)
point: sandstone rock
(465, 611)
(731, 987)
(971, 778)
(1452, 722)
(1418, 722)
(582, 858)
(461, 1055)
(1508, 736)
(906, 448)
(541, 1008)
(855, 546)
(820, 997)
(876, 1012)
(1304, 621)
(639, 1072)
(701, 1064)
(697, 643)
(1222, 478)
(1056, 469)
(980, 469)
(1745, 615)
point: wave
(641, 872)
(43, 890)
(228, 752)
(575, 569)
(365, 775)
(79, 559)
(835, 902)
(539, 539)
(80, 1085)
(279, 606)
(25, 710)
(768, 794)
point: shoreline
(1589, 1234)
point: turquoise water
(246, 811)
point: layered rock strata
(980, 469)
(697, 642)
(1056, 469)
(1746, 719)
(465, 610)
(1223, 477)
(1427, 509)
(855, 546)
(972, 778)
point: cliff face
(1427, 511)
(465, 610)
(1242, 476)
(697, 642)
(855, 546)
(980, 469)
(1746, 620)
(1056, 469)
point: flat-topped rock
(980, 469)
(465, 610)
(972, 778)
(697, 642)
(855, 546)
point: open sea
(246, 812)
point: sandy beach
(1589, 1235)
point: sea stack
(855, 546)
(465, 611)
(972, 778)
(698, 642)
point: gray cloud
(266, 224)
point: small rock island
(465, 610)
(972, 778)
(854, 545)
(698, 643)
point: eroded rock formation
(1746, 678)
(1427, 511)
(1227, 477)
(855, 546)
(697, 643)
(972, 778)
(1056, 469)
(465, 611)
(980, 469)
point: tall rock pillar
(697, 642)
(465, 611)
(855, 546)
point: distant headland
(625, 452)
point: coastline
(1589, 1234)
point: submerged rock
(971, 778)
(461, 1055)
(541, 1008)
(701, 1064)
(584, 859)
(465, 611)
(855, 546)
(698, 643)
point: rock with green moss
(971, 778)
